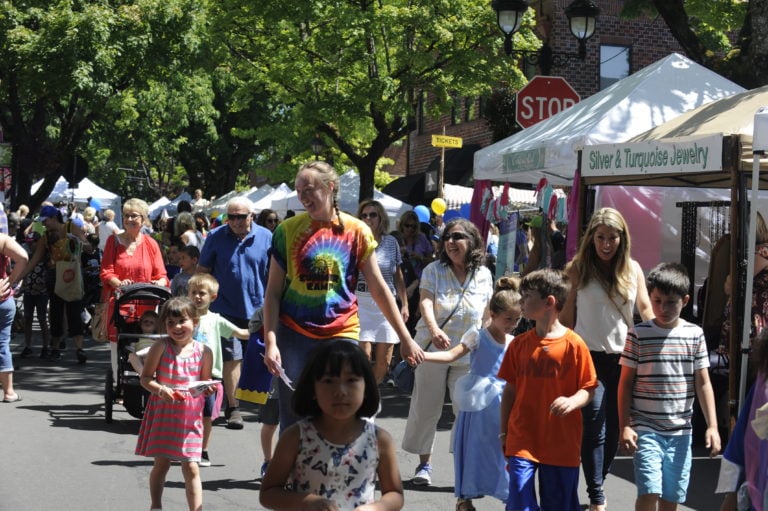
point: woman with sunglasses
(418, 248)
(310, 299)
(268, 219)
(374, 329)
(454, 292)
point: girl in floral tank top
(334, 455)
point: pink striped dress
(174, 430)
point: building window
(614, 64)
(420, 113)
(456, 111)
(470, 109)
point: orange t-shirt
(542, 370)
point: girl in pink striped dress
(172, 428)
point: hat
(48, 212)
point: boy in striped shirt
(664, 363)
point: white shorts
(374, 327)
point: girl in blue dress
(479, 465)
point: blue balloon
(464, 211)
(450, 215)
(95, 204)
(423, 213)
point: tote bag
(69, 276)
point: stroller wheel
(109, 396)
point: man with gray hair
(237, 254)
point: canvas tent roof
(268, 201)
(85, 190)
(653, 95)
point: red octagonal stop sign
(543, 97)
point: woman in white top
(606, 285)
(374, 328)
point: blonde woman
(606, 286)
(310, 298)
(375, 330)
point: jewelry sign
(668, 156)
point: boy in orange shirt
(550, 376)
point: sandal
(15, 399)
(464, 505)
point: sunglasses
(455, 236)
(234, 216)
(409, 226)
(372, 214)
(271, 220)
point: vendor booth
(708, 147)
(85, 194)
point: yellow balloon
(439, 206)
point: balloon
(464, 211)
(95, 204)
(423, 213)
(451, 214)
(439, 206)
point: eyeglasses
(133, 216)
(271, 220)
(372, 214)
(409, 226)
(237, 216)
(455, 236)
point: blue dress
(479, 464)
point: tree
(65, 65)
(354, 71)
(705, 30)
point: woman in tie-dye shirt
(310, 297)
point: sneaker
(44, 353)
(81, 356)
(264, 469)
(423, 475)
(389, 381)
(235, 420)
(26, 352)
(55, 355)
(205, 461)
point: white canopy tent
(267, 202)
(651, 96)
(349, 192)
(85, 191)
(156, 208)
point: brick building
(618, 48)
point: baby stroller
(130, 303)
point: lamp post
(582, 18)
(317, 145)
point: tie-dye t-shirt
(321, 263)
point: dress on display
(479, 463)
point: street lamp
(317, 145)
(582, 18)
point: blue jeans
(7, 313)
(295, 350)
(600, 440)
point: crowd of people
(317, 304)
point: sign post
(543, 97)
(443, 141)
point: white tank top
(602, 324)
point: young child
(549, 376)
(148, 325)
(187, 259)
(664, 361)
(332, 457)
(172, 427)
(203, 289)
(479, 466)
(172, 260)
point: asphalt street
(58, 453)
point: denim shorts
(232, 349)
(663, 465)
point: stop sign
(543, 97)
